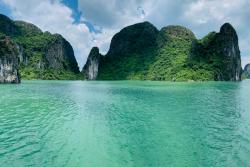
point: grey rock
(9, 62)
(90, 69)
(22, 57)
(229, 49)
(60, 55)
(246, 71)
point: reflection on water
(124, 123)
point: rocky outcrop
(221, 52)
(22, 58)
(90, 69)
(246, 71)
(229, 50)
(60, 55)
(9, 61)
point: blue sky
(73, 4)
(5, 9)
(88, 23)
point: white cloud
(111, 13)
(212, 12)
(110, 16)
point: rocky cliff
(221, 52)
(230, 51)
(246, 71)
(9, 61)
(90, 69)
(42, 55)
(142, 52)
(60, 55)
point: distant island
(246, 71)
(137, 52)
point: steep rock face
(221, 52)
(9, 63)
(247, 71)
(21, 55)
(60, 55)
(90, 69)
(228, 38)
(42, 55)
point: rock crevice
(90, 69)
(9, 61)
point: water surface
(125, 123)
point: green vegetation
(36, 66)
(133, 66)
(166, 59)
(172, 59)
(49, 74)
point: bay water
(125, 123)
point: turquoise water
(125, 123)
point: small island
(246, 71)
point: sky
(88, 23)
